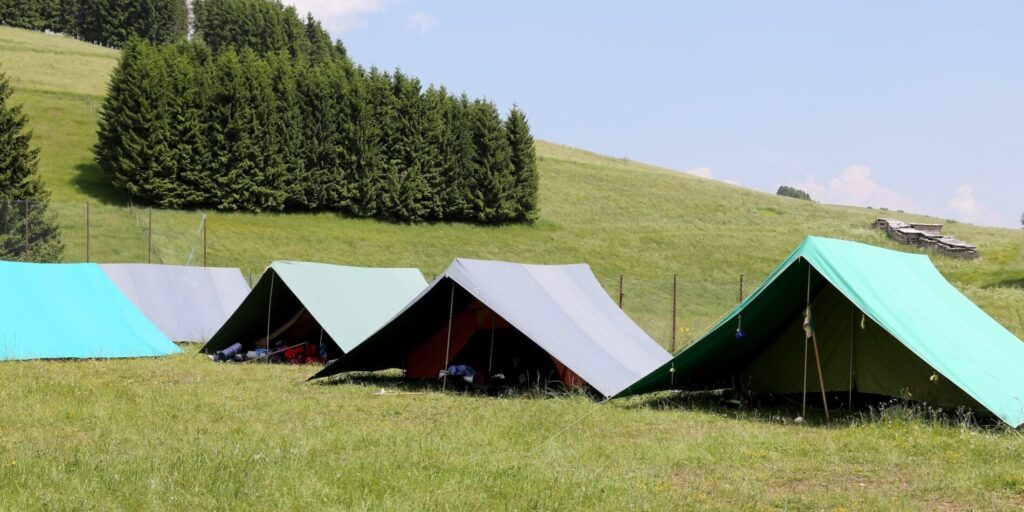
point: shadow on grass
(1007, 283)
(787, 409)
(395, 383)
(90, 180)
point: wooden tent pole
(821, 376)
(817, 357)
(448, 343)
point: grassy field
(180, 433)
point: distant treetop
(794, 192)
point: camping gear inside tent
(310, 312)
(71, 311)
(842, 318)
(185, 303)
(530, 324)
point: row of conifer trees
(106, 22)
(186, 127)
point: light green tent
(307, 302)
(885, 323)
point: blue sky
(915, 105)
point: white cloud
(705, 172)
(340, 15)
(964, 206)
(855, 186)
(422, 22)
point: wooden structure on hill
(928, 236)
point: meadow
(181, 433)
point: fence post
(204, 239)
(149, 257)
(25, 202)
(674, 328)
(620, 291)
(741, 288)
(87, 232)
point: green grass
(184, 434)
(181, 433)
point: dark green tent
(884, 323)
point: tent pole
(850, 399)
(821, 376)
(803, 412)
(490, 358)
(817, 357)
(448, 344)
(270, 301)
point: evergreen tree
(134, 128)
(405, 189)
(490, 179)
(24, 219)
(526, 180)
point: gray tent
(553, 321)
(185, 303)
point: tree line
(263, 25)
(105, 22)
(184, 126)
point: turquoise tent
(883, 323)
(55, 311)
(298, 302)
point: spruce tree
(525, 179)
(490, 178)
(24, 219)
(404, 190)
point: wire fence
(673, 311)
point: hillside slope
(621, 217)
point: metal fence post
(741, 288)
(204, 239)
(25, 202)
(87, 232)
(620, 291)
(674, 328)
(149, 257)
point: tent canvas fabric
(562, 309)
(887, 323)
(71, 311)
(304, 301)
(185, 303)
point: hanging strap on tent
(448, 344)
(270, 301)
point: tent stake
(448, 344)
